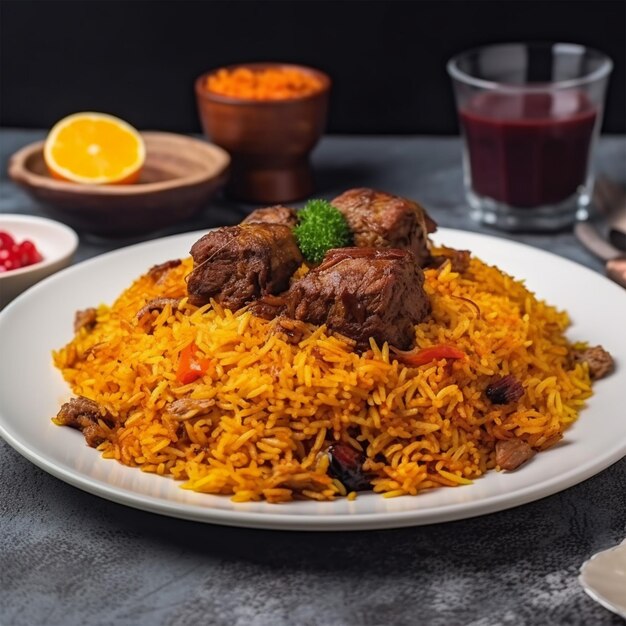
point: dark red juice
(528, 149)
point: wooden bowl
(179, 176)
(268, 140)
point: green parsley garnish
(320, 228)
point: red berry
(14, 255)
(29, 253)
(9, 264)
(6, 241)
(23, 254)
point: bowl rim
(202, 92)
(71, 242)
(19, 173)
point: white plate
(603, 577)
(32, 390)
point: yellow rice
(278, 406)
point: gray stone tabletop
(70, 558)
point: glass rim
(599, 73)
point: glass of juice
(530, 115)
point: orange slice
(95, 149)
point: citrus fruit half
(94, 148)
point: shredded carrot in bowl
(272, 83)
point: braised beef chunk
(381, 220)
(511, 453)
(459, 260)
(273, 215)
(86, 318)
(363, 293)
(238, 264)
(83, 414)
(159, 272)
(600, 362)
(268, 307)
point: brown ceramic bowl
(179, 176)
(269, 140)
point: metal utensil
(610, 200)
(615, 261)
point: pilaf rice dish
(255, 406)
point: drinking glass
(530, 115)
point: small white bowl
(56, 242)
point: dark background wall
(139, 59)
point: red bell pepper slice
(190, 367)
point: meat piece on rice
(363, 293)
(236, 265)
(382, 220)
(511, 453)
(87, 318)
(84, 414)
(459, 259)
(159, 272)
(273, 215)
(184, 407)
(599, 361)
(157, 304)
